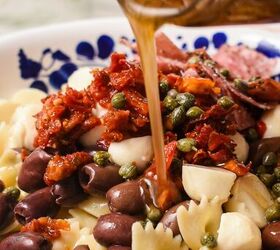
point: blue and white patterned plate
(45, 57)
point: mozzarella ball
(28, 96)
(251, 198)
(80, 79)
(99, 111)
(23, 130)
(91, 137)
(138, 150)
(242, 148)
(199, 181)
(271, 119)
(238, 232)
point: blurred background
(20, 14)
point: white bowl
(45, 57)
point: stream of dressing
(144, 31)
(146, 16)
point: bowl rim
(7, 37)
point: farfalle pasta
(85, 219)
(157, 238)
(199, 219)
(95, 205)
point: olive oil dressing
(146, 16)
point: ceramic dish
(77, 168)
(45, 57)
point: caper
(153, 214)
(194, 60)
(273, 213)
(178, 116)
(224, 72)
(13, 193)
(163, 88)
(101, 158)
(269, 159)
(185, 99)
(118, 100)
(267, 179)
(225, 102)
(173, 93)
(170, 103)
(194, 112)
(128, 171)
(186, 145)
(208, 240)
(277, 173)
(276, 189)
(241, 85)
(252, 135)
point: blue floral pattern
(54, 66)
(43, 72)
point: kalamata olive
(271, 236)
(68, 192)
(82, 247)
(126, 198)
(94, 178)
(169, 220)
(31, 175)
(118, 248)
(2, 186)
(25, 241)
(6, 211)
(260, 147)
(38, 204)
(114, 229)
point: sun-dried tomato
(197, 85)
(124, 73)
(238, 168)
(212, 146)
(118, 63)
(61, 167)
(217, 112)
(201, 134)
(136, 102)
(170, 151)
(261, 128)
(47, 227)
(126, 77)
(63, 119)
(119, 123)
(267, 90)
(169, 137)
(172, 79)
(217, 140)
(221, 156)
(99, 88)
(199, 157)
(116, 122)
